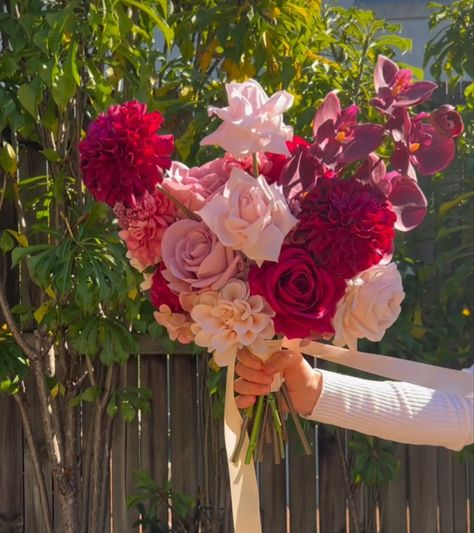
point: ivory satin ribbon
(243, 481)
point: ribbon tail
(422, 374)
(243, 481)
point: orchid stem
(255, 164)
(245, 423)
(296, 421)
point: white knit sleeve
(396, 411)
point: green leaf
(402, 43)
(30, 95)
(51, 155)
(19, 253)
(6, 242)
(8, 158)
(167, 32)
(90, 394)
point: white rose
(250, 215)
(370, 305)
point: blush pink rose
(194, 186)
(252, 122)
(250, 216)
(143, 227)
(195, 260)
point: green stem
(255, 429)
(255, 164)
(296, 421)
(277, 423)
(245, 423)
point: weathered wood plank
(394, 498)
(125, 452)
(423, 494)
(272, 480)
(184, 439)
(331, 487)
(11, 467)
(445, 490)
(154, 425)
(460, 496)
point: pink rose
(195, 259)
(252, 122)
(250, 215)
(143, 227)
(302, 294)
(194, 186)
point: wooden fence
(178, 440)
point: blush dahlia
(347, 226)
(122, 155)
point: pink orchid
(252, 122)
(447, 121)
(395, 87)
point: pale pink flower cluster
(229, 319)
(143, 227)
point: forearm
(395, 411)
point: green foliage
(150, 498)
(13, 366)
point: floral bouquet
(281, 237)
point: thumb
(280, 361)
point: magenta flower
(447, 121)
(338, 135)
(122, 155)
(419, 145)
(395, 87)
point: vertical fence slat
(11, 468)
(272, 482)
(184, 441)
(302, 483)
(423, 495)
(460, 495)
(124, 458)
(471, 493)
(331, 486)
(394, 499)
(445, 490)
(154, 432)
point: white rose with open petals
(252, 122)
(370, 305)
(250, 215)
(227, 320)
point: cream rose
(252, 122)
(227, 320)
(370, 305)
(250, 215)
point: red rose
(161, 294)
(302, 294)
(346, 225)
(122, 156)
(447, 121)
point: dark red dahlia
(347, 226)
(122, 155)
(160, 293)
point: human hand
(255, 377)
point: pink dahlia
(143, 227)
(347, 226)
(122, 155)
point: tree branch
(40, 481)
(13, 327)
